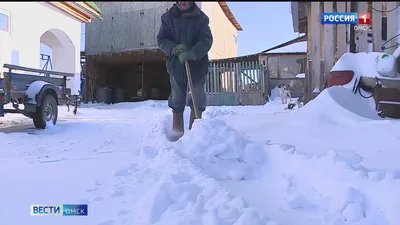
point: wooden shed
(286, 64)
(122, 53)
(249, 80)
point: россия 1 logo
(59, 210)
(346, 18)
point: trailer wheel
(47, 112)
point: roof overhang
(293, 41)
(294, 6)
(79, 10)
(299, 11)
(228, 13)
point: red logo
(364, 18)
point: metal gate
(235, 83)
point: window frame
(8, 14)
(234, 39)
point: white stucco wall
(224, 33)
(28, 22)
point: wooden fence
(235, 83)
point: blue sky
(265, 25)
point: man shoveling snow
(185, 36)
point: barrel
(119, 95)
(104, 94)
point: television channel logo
(355, 18)
(59, 210)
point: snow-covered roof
(299, 47)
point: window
(234, 39)
(273, 68)
(289, 66)
(4, 22)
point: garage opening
(127, 77)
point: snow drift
(338, 105)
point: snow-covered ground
(331, 162)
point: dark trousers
(179, 97)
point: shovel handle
(192, 92)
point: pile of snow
(212, 112)
(187, 192)
(301, 75)
(225, 111)
(275, 96)
(339, 105)
(221, 151)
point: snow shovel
(191, 89)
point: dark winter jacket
(189, 28)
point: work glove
(179, 49)
(187, 56)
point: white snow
(301, 75)
(293, 48)
(33, 89)
(386, 65)
(368, 68)
(331, 162)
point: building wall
(134, 25)
(28, 22)
(126, 26)
(225, 34)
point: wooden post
(334, 31)
(398, 23)
(144, 94)
(353, 49)
(316, 57)
(362, 44)
(391, 27)
(329, 43)
(321, 51)
(341, 30)
(376, 19)
(307, 85)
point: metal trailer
(39, 94)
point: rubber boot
(177, 125)
(192, 118)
